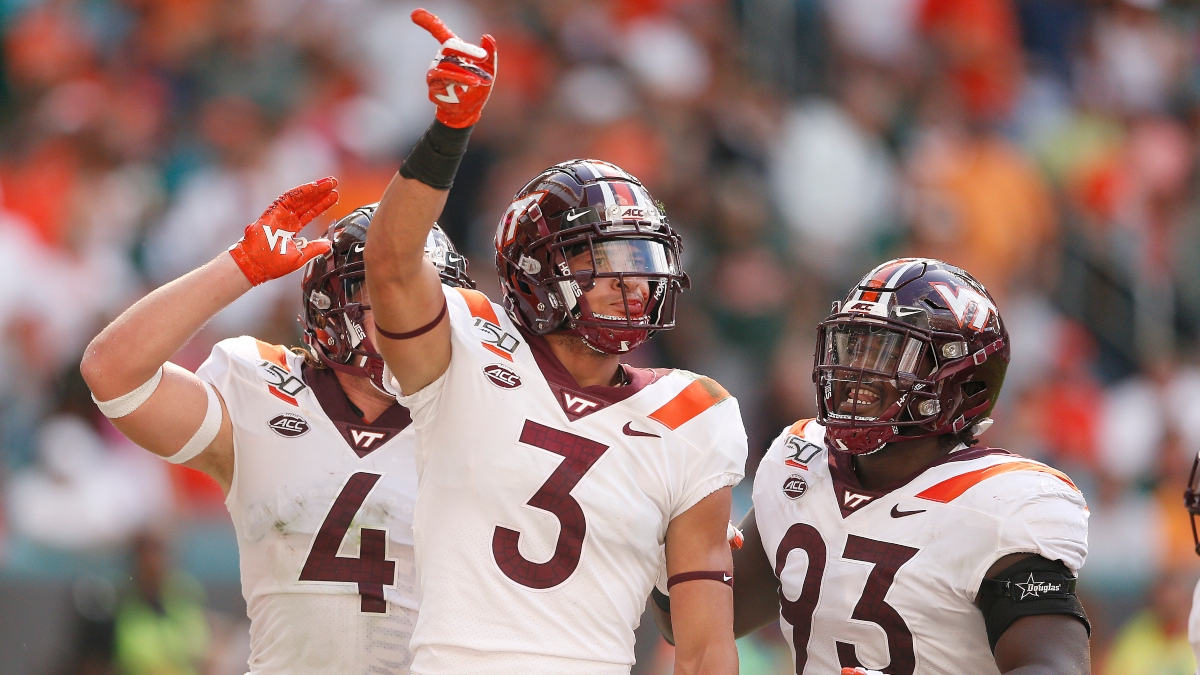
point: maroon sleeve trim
(721, 576)
(414, 333)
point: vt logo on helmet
(584, 248)
(916, 349)
(334, 303)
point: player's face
(628, 256)
(884, 351)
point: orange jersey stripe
(481, 308)
(479, 305)
(273, 353)
(951, 488)
(695, 398)
(798, 428)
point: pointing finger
(429, 21)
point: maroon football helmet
(916, 349)
(1191, 499)
(600, 218)
(333, 285)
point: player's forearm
(702, 621)
(756, 594)
(131, 348)
(715, 659)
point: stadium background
(1048, 146)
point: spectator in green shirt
(1155, 640)
(160, 625)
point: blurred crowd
(1050, 147)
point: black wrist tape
(435, 158)
(1029, 587)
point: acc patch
(289, 425)
(795, 486)
(502, 376)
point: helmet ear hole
(973, 387)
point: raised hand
(269, 247)
(461, 75)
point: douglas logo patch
(502, 377)
(795, 486)
(289, 425)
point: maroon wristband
(722, 576)
(414, 333)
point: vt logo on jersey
(853, 501)
(970, 307)
(577, 404)
(364, 439)
(289, 425)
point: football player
(1191, 500)
(316, 460)
(550, 474)
(881, 537)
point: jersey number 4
(871, 607)
(370, 570)
(579, 454)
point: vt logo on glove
(461, 75)
(263, 252)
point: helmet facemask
(874, 379)
(631, 267)
(338, 326)
(616, 290)
(1191, 499)
(335, 299)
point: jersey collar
(576, 401)
(362, 438)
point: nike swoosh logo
(897, 513)
(630, 431)
(726, 577)
(906, 311)
(577, 216)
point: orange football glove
(269, 248)
(734, 535)
(860, 671)
(461, 75)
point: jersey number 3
(871, 608)
(370, 570)
(579, 454)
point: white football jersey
(543, 505)
(886, 579)
(322, 503)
